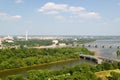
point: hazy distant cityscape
(59, 40)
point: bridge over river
(98, 59)
(99, 46)
(103, 44)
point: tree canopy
(15, 58)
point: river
(53, 66)
(105, 52)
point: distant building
(55, 41)
(21, 38)
(8, 39)
(62, 44)
(0, 41)
(75, 39)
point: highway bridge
(98, 59)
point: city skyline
(64, 17)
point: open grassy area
(104, 74)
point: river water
(109, 50)
(54, 66)
(105, 52)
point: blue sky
(60, 17)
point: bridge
(98, 59)
(99, 46)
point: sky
(60, 17)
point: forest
(78, 72)
(78, 41)
(22, 57)
(29, 43)
(37, 42)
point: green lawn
(104, 74)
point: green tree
(15, 77)
(118, 52)
(115, 76)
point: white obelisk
(26, 36)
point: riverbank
(44, 64)
(95, 53)
(37, 65)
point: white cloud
(18, 1)
(52, 12)
(50, 6)
(90, 15)
(5, 16)
(58, 9)
(16, 17)
(76, 9)
(2, 14)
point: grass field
(104, 74)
